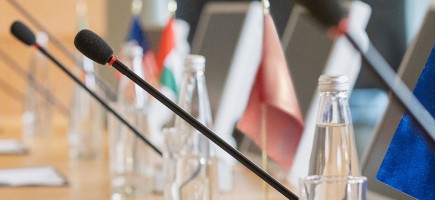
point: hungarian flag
(137, 35)
(273, 90)
(170, 63)
(167, 60)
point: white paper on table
(31, 176)
(10, 146)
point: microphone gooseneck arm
(201, 128)
(399, 89)
(330, 14)
(43, 91)
(99, 99)
(103, 84)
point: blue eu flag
(137, 34)
(409, 164)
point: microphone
(330, 14)
(103, 84)
(34, 83)
(25, 35)
(95, 48)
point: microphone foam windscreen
(328, 12)
(23, 33)
(93, 46)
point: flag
(137, 35)
(165, 59)
(273, 89)
(409, 164)
(170, 63)
(237, 87)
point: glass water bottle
(86, 123)
(334, 166)
(37, 116)
(129, 157)
(334, 152)
(190, 161)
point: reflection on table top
(89, 179)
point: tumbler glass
(333, 188)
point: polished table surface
(89, 179)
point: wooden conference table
(89, 179)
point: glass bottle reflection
(86, 121)
(334, 152)
(37, 116)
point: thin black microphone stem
(103, 84)
(203, 129)
(99, 99)
(43, 91)
(399, 89)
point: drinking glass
(333, 188)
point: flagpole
(264, 148)
(136, 7)
(172, 7)
(266, 10)
(81, 11)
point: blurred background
(391, 27)
(399, 20)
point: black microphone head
(23, 33)
(328, 12)
(93, 46)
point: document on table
(31, 176)
(10, 146)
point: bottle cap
(194, 63)
(333, 82)
(135, 51)
(42, 39)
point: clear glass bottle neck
(333, 151)
(196, 178)
(334, 108)
(89, 73)
(130, 93)
(194, 92)
(39, 66)
(194, 100)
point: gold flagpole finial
(266, 6)
(172, 7)
(136, 7)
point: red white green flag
(170, 63)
